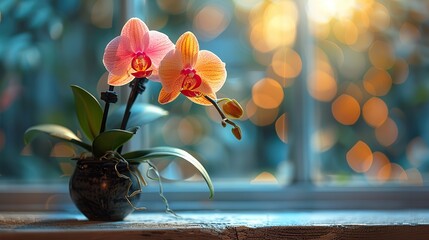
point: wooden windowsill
(350, 224)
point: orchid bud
(232, 109)
(237, 132)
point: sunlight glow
(346, 109)
(282, 128)
(261, 116)
(359, 157)
(267, 93)
(322, 11)
(211, 21)
(375, 112)
(387, 133)
(286, 63)
(377, 82)
(265, 178)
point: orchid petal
(119, 80)
(211, 69)
(138, 34)
(154, 76)
(117, 55)
(159, 46)
(170, 72)
(166, 97)
(187, 45)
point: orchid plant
(135, 57)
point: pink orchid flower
(194, 73)
(136, 53)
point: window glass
(370, 86)
(44, 53)
(334, 91)
(253, 41)
(46, 46)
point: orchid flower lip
(141, 63)
(190, 82)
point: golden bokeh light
(355, 91)
(63, 150)
(384, 173)
(361, 18)
(284, 82)
(359, 157)
(273, 24)
(379, 17)
(377, 82)
(392, 172)
(282, 129)
(260, 116)
(322, 86)
(346, 109)
(280, 19)
(375, 172)
(267, 93)
(346, 32)
(320, 31)
(414, 177)
(323, 11)
(381, 54)
(265, 178)
(211, 21)
(363, 42)
(397, 173)
(375, 112)
(387, 133)
(322, 60)
(324, 139)
(335, 52)
(286, 63)
(257, 41)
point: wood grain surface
(221, 225)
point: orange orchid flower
(196, 74)
(136, 53)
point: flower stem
(109, 97)
(222, 115)
(137, 87)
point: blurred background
(334, 90)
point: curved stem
(108, 99)
(137, 87)
(222, 115)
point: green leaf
(159, 152)
(56, 131)
(140, 114)
(89, 112)
(110, 141)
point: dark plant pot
(99, 193)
